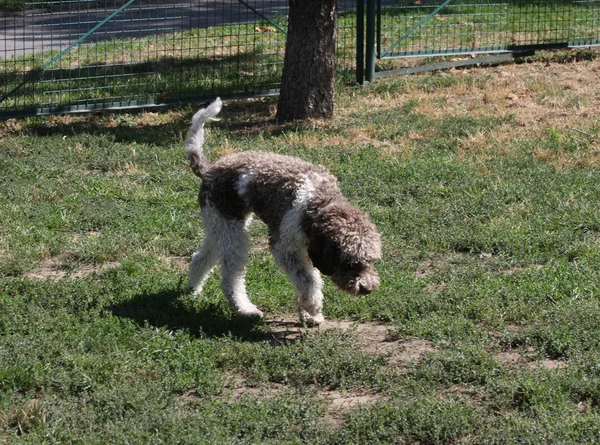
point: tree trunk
(308, 79)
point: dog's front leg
(306, 281)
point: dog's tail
(195, 137)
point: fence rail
(62, 56)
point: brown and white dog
(311, 225)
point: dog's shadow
(166, 309)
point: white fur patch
(242, 184)
(290, 232)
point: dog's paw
(189, 288)
(250, 312)
(311, 320)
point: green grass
(12, 5)
(491, 259)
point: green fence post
(370, 51)
(360, 41)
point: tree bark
(308, 78)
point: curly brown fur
(311, 225)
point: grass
(484, 185)
(12, 5)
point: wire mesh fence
(81, 55)
(435, 27)
(61, 56)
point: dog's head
(344, 244)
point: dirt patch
(409, 351)
(472, 394)
(527, 360)
(547, 364)
(515, 270)
(180, 262)
(509, 358)
(237, 388)
(259, 245)
(55, 269)
(371, 337)
(425, 269)
(338, 404)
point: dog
(312, 227)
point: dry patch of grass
(56, 268)
(518, 359)
(534, 93)
(562, 159)
(9, 126)
(529, 99)
(340, 403)
(21, 417)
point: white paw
(311, 320)
(250, 311)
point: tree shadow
(241, 118)
(156, 82)
(166, 309)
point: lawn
(485, 186)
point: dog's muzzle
(365, 289)
(366, 284)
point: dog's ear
(322, 254)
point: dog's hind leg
(306, 281)
(234, 247)
(203, 262)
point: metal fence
(427, 28)
(82, 55)
(60, 56)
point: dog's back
(263, 183)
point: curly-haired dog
(310, 224)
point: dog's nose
(365, 289)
